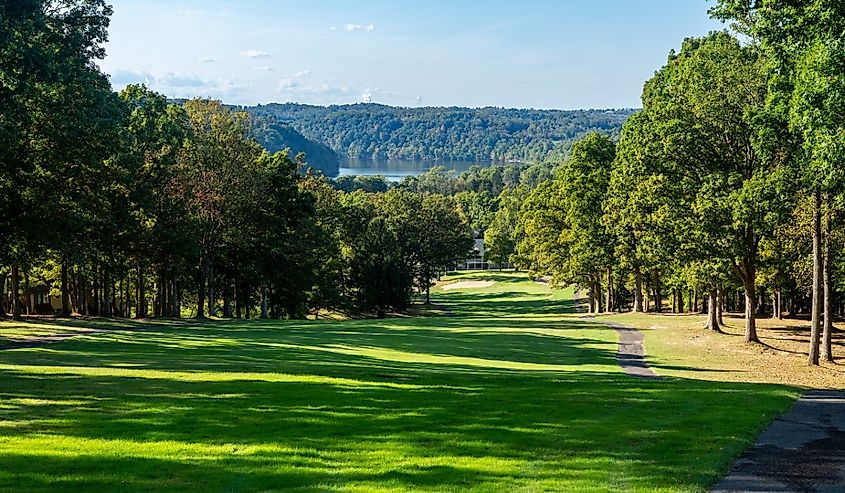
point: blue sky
(528, 54)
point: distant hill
(276, 136)
(374, 131)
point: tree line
(724, 192)
(129, 205)
(374, 131)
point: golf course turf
(514, 392)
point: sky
(564, 54)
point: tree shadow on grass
(506, 395)
(449, 432)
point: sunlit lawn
(511, 394)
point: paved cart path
(631, 352)
(802, 451)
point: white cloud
(255, 54)
(355, 27)
(302, 73)
(265, 68)
(206, 59)
(287, 84)
(177, 85)
(292, 87)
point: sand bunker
(468, 285)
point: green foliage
(365, 183)
(500, 237)
(560, 227)
(374, 131)
(275, 136)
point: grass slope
(510, 394)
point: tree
(707, 104)
(500, 237)
(561, 226)
(215, 176)
(431, 234)
(54, 105)
(641, 208)
(804, 43)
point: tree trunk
(239, 302)
(597, 291)
(65, 297)
(157, 301)
(747, 272)
(815, 322)
(128, 295)
(608, 299)
(591, 294)
(227, 299)
(750, 313)
(638, 289)
(827, 333)
(212, 300)
(177, 304)
(115, 293)
(96, 294)
(16, 288)
(3, 300)
(27, 294)
(107, 311)
(263, 302)
(658, 295)
(720, 302)
(681, 300)
(141, 302)
(775, 308)
(201, 290)
(712, 315)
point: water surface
(398, 169)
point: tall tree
(804, 41)
(214, 174)
(706, 103)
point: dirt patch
(468, 285)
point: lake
(397, 169)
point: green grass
(511, 394)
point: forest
(127, 205)
(375, 131)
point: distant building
(38, 301)
(476, 260)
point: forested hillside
(376, 131)
(275, 136)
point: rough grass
(681, 346)
(510, 394)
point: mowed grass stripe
(515, 393)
